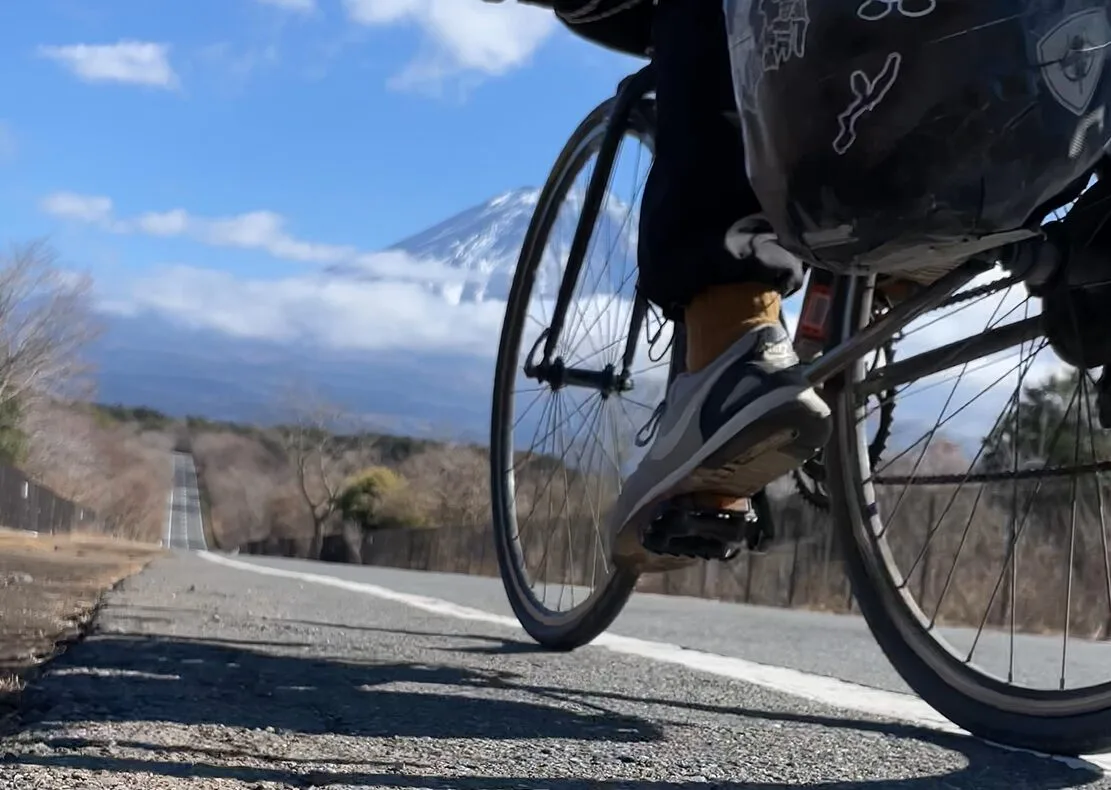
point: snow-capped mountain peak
(471, 256)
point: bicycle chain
(987, 289)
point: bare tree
(241, 475)
(451, 484)
(321, 460)
(128, 485)
(61, 449)
(46, 323)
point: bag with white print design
(902, 135)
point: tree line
(983, 553)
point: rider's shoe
(729, 429)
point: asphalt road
(184, 522)
(205, 673)
(838, 646)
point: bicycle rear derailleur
(681, 529)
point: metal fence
(27, 505)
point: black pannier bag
(901, 134)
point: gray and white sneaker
(728, 429)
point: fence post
(827, 557)
(793, 578)
(710, 572)
(748, 576)
(20, 519)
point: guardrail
(27, 505)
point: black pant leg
(697, 187)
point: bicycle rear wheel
(978, 546)
(553, 499)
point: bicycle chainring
(811, 476)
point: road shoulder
(50, 587)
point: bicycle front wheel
(562, 442)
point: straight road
(184, 522)
(207, 673)
(816, 643)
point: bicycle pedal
(683, 529)
(680, 529)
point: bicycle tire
(579, 626)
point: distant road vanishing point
(184, 522)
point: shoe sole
(764, 441)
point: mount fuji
(386, 362)
(479, 246)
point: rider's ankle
(722, 314)
(709, 501)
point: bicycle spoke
(968, 468)
(1099, 504)
(1012, 524)
(1072, 552)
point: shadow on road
(166, 615)
(196, 682)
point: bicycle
(845, 319)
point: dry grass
(49, 588)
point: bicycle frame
(631, 90)
(842, 344)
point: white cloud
(464, 35)
(335, 313)
(300, 6)
(389, 300)
(404, 310)
(265, 230)
(133, 62)
(167, 223)
(253, 230)
(93, 209)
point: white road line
(815, 688)
(170, 516)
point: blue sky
(340, 123)
(204, 159)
